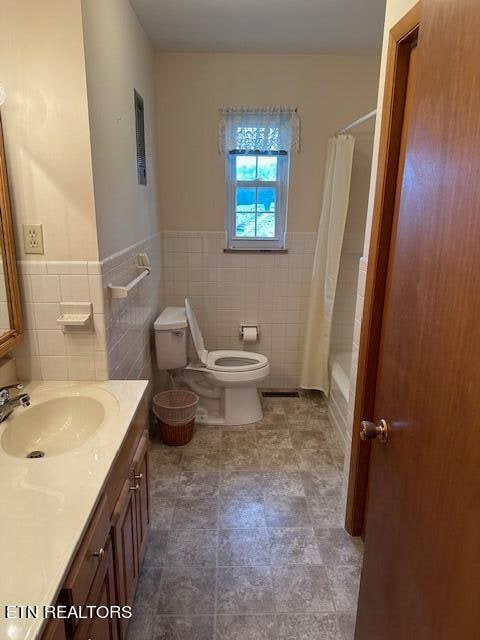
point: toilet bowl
(225, 380)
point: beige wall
(394, 11)
(329, 91)
(46, 128)
(119, 58)
(47, 59)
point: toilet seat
(227, 361)
(230, 361)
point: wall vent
(140, 133)
(281, 394)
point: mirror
(11, 328)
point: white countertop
(45, 504)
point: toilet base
(235, 403)
(242, 405)
(237, 406)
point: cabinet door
(125, 541)
(102, 595)
(140, 481)
(79, 581)
(55, 630)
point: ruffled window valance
(261, 130)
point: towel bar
(121, 291)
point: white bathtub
(340, 364)
(340, 372)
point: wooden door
(125, 540)
(141, 482)
(421, 571)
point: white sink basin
(54, 425)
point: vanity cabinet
(125, 537)
(142, 495)
(131, 520)
(89, 558)
(102, 594)
(106, 566)
(55, 630)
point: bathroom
(189, 201)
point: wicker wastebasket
(175, 410)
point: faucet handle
(18, 385)
(25, 400)
(5, 391)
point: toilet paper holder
(243, 327)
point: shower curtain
(327, 263)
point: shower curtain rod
(357, 122)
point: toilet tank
(171, 338)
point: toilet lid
(197, 337)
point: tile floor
(247, 541)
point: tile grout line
(222, 492)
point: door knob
(372, 431)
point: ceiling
(263, 26)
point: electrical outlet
(33, 238)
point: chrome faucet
(8, 404)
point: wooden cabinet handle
(139, 477)
(135, 488)
(99, 554)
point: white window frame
(281, 204)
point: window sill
(241, 250)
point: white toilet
(226, 381)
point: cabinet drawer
(89, 556)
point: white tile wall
(228, 289)
(345, 297)
(344, 325)
(338, 411)
(46, 352)
(129, 321)
(119, 346)
(362, 274)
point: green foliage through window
(255, 206)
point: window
(257, 199)
(257, 152)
